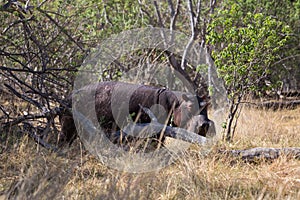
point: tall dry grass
(30, 172)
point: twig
(174, 14)
(23, 118)
(158, 15)
(145, 11)
(5, 113)
(32, 132)
(28, 86)
(61, 28)
(37, 104)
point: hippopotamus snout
(201, 125)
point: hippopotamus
(201, 125)
(114, 99)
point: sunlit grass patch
(73, 173)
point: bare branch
(37, 104)
(158, 15)
(145, 11)
(194, 31)
(198, 12)
(23, 118)
(32, 132)
(174, 13)
(5, 113)
(287, 58)
(15, 23)
(191, 14)
(61, 28)
(106, 16)
(28, 86)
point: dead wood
(35, 133)
(143, 130)
(264, 153)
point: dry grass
(30, 172)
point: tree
(247, 42)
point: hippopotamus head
(201, 125)
(189, 106)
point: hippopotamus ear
(184, 97)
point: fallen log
(264, 153)
(147, 130)
(144, 130)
